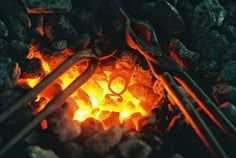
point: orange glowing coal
(107, 96)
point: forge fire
(117, 78)
(120, 91)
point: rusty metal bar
(84, 54)
(192, 116)
(51, 106)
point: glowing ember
(105, 96)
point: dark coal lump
(206, 14)
(48, 6)
(211, 45)
(91, 5)
(162, 12)
(3, 29)
(228, 73)
(224, 93)
(4, 45)
(208, 69)
(31, 68)
(59, 27)
(17, 31)
(14, 8)
(9, 73)
(230, 32)
(230, 53)
(186, 58)
(59, 45)
(231, 11)
(85, 21)
(18, 49)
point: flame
(36, 54)
(104, 96)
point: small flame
(34, 53)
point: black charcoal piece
(134, 148)
(59, 45)
(228, 73)
(208, 68)
(16, 29)
(14, 8)
(38, 152)
(230, 53)
(224, 93)
(186, 58)
(9, 73)
(4, 45)
(31, 68)
(7, 97)
(3, 29)
(47, 6)
(59, 27)
(230, 32)
(231, 11)
(164, 14)
(18, 49)
(229, 110)
(85, 21)
(211, 45)
(206, 14)
(224, 2)
(91, 5)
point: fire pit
(93, 81)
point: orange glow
(34, 53)
(104, 96)
(203, 107)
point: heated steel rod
(159, 62)
(51, 106)
(192, 116)
(84, 54)
(207, 105)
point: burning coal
(115, 94)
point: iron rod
(84, 54)
(207, 105)
(50, 107)
(192, 116)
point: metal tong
(168, 71)
(85, 55)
